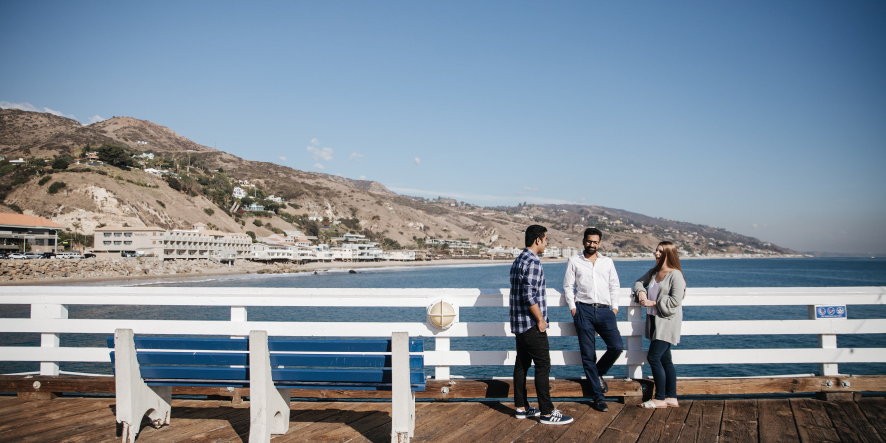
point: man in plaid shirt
(529, 321)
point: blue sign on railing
(830, 312)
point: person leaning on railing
(661, 290)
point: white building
(172, 244)
(275, 199)
(239, 192)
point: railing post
(49, 340)
(238, 313)
(825, 341)
(635, 343)
(441, 372)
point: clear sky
(765, 118)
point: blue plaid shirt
(527, 289)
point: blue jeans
(588, 320)
(663, 373)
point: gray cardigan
(666, 325)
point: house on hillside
(239, 192)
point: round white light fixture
(442, 314)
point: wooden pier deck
(745, 420)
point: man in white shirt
(591, 288)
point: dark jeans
(588, 320)
(659, 357)
(532, 346)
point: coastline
(255, 268)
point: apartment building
(172, 244)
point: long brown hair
(671, 256)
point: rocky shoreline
(60, 270)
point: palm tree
(76, 225)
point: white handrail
(49, 318)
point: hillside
(204, 179)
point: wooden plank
(628, 425)
(675, 421)
(739, 421)
(372, 431)
(51, 415)
(193, 418)
(711, 419)
(692, 424)
(874, 409)
(494, 414)
(346, 414)
(238, 430)
(590, 425)
(548, 433)
(850, 422)
(377, 414)
(813, 422)
(507, 430)
(57, 430)
(776, 421)
(12, 418)
(109, 433)
(454, 418)
(655, 426)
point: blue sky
(764, 118)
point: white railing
(49, 317)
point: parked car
(17, 256)
(32, 255)
(69, 255)
(48, 255)
(88, 255)
(3, 256)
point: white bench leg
(402, 396)
(268, 406)
(134, 397)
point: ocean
(800, 272)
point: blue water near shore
(807, 272)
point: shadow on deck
(742, 420)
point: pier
(826, 406)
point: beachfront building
(451, 244)
(407, 255)
(552, 252)
(569, 251)
(172, 244)
(17, 230)
(239, 192)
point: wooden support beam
(458, 389)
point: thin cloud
(315, 141)
(355, 156)
(282, 158)
(320, 153)
(318, 166)
(417, 161)
(96, 118)
(25, 106)
(530, 189)
(362, 177)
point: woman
(661, 290)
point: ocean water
(807, 272)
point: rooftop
(21, 220)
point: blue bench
(146, 368)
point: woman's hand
(647, 303)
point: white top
(591, 282)
(652, 295)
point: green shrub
(173, 183)
(163, 205)
(209, 211)
(6, 169)
(20, 180)
(251, 234)
(60, 163)
(55, 187)
(14, 207)
(44, 180)
(257, 222)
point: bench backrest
(296, 363)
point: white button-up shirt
(589, 282)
